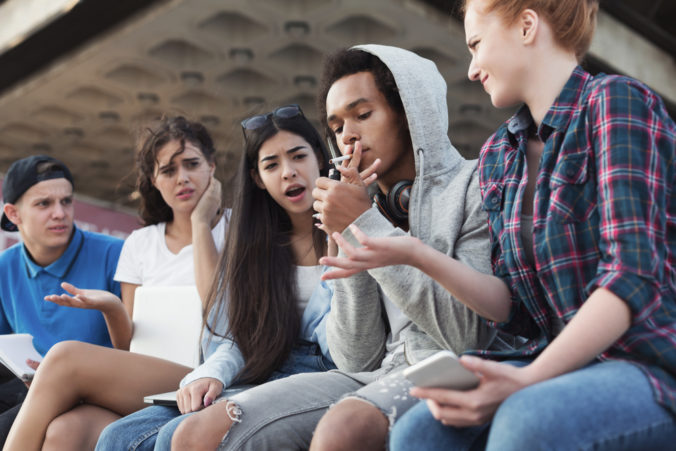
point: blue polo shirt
(89, 262)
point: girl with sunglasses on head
(270, 276)
(80, 388)
(578, 187)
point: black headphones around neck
(394, 205)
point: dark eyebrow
(295, 149)
(268, 158)
(50, 198)
(349, 107)
(291, 150)
(170, 164)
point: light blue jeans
(607, 405)
(153, 427)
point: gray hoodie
(444, 213)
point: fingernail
(469, 358)
(317, 215)
(207, 401)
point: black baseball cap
(23, 174)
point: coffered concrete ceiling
(218, 62)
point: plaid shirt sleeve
(634, 156)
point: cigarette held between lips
(339, 159)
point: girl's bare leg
(78, 429)
(74, 373)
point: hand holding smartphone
(442, 370)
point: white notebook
(15, 349)
(167, 323)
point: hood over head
(423, 93)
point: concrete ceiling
(217, 62)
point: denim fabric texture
(604, 406)
(153, 427)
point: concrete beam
(627, 51)
(21, 18)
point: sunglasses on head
(258, 121)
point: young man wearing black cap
(38, 202)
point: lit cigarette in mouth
(339, 159)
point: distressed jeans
(153, 427)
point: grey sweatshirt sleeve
(432, 309)
(355, 329)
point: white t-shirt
(398, 322)
(146, 259)
(307, 279)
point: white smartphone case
(442, 370)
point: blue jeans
(607, 405)
(153, 427)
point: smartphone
(442, 370)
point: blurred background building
(80, 78)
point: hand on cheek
(209, 204)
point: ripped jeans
(153, 427)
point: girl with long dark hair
(269, 275)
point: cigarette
(339, 159)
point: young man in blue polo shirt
(38, 202)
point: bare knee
(66, 432)
(60, 358)
(64, 350)
(202, 431)
(56, 371)
(351, 424)
(78, 428)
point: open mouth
(295, 192)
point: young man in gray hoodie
(389, 104)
